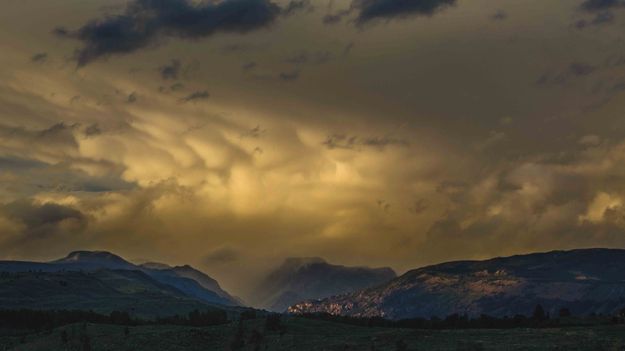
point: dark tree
(400, 345)
(256, 339)
(238, 340)
(64, 337)
(372, 346)
(121, 318)
(564, 312)
(539, 313)
(273, 322)
(86, 343)
(247, 314)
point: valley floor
(302, 334)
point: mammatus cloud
(147, 22)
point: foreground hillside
(298, 279)
(101, 291)
(302, 335)
(583, 281)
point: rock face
(584, 281)
(298, 279)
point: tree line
(48, 319)
(538, 319)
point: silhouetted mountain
(313, 278)
(180, 279)
(206, 282)
(584, 281)
(194, 283)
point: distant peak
(92, 256)
(155, 265)
(85, 254)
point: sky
(232, 134)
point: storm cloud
(308, 125)
(45, 218)
(148, 22)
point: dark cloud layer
(12, 163)
(574, 70)
(601, 18)
(170, 70)
(145, 22)
(371, 10)
(388, 9)
(343, 141)
(196, 96)
(44, 218)
(598, 5)
(39, 57)
(296, 6)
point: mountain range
(103, 281)
(584, 281)
(298, 279)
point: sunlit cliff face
(231, 134)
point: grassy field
(302, 334)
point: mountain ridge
(583, 280)
(186, 279)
